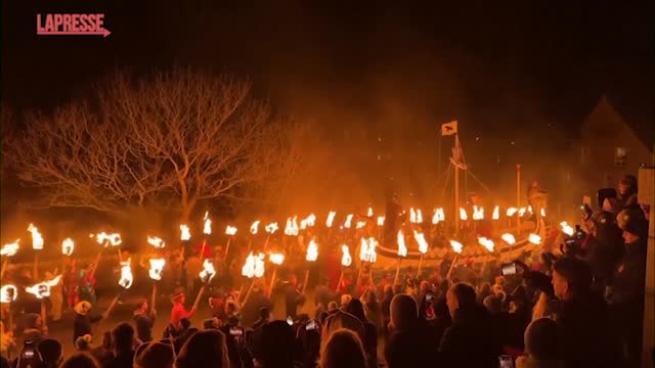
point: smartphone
(236, 331)
(505, 361)
(290, 321)
(311, 325)
(508, 269)
(428, 297)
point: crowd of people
(577, 306)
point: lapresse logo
(71, 24)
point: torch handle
(395, 278)
(96, 262)
(43, 314)
(5, 263)
(111, 306)
(270, 288)
(452, 267)
(304, 284)
(197, 301)
(227, 247)
(36, 266)
(268, 237)
(420, 264)
(340, 281)
(245, 299)
(153, 297)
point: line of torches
(254, 266)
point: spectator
(582, 316)
(155, 355)
(83, 343)
(340, 320)
(51, 353)
(370, 341)
(332, 307)
(409, 343)
(343, 350)
(34, 330)
(80, 360)
(627, 192)
(83, 321)
(123, 337)
(373, 310)
(277, 345)
(179, 312)
(144, 319)
(205, 349)
(264, 318)
(469, 341)
(104, 352)
(542, 345)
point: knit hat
(82, 307)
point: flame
(156, 268)
(42, 289)
(312, 251)
(276, 258)
(230, 230)
(420, 240)
(360, 224)
(67, 247)
(367, 250)
(8, 293)
(530, 209)
(254, 265)
(566, 228)
(156, 241)
(457, 246)
(369, 213)
(37, 238)
(534, 239)
(10, 249)
(346, 259)
(207, 227)
(542, 212)
(511, 211)
(308, 221)
(487, 243)
(478, 213)
(508, 238)
(462, 214)
(271, 228)
(349, 220)
(330, 218)
(292, 226)
(402, 249)
(254, 227)
(380, 221)
(522, 211)
(438, 216)
(113, 239)
(127, 278)
(495, 215)
(185, 233)
(208, 271)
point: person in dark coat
(83, 321)
(370, 342)
(409, 343)
(144, 319)
(469, 341)
(123, 338)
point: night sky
(507, 70)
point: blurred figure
(277, 345)
(80, 360)
(83, 343)
(144, 320)
(179, 312)
(409, 343)
(264, 318)
(104, 352)
(155, 355)
(123, 338)
(56, 298)
(370, 341)
(627, 192)
(205, 349)
(83, 321)
(343, 350)
(51, 353)
(542, 345)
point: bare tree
(173, 139)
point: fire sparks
(486, 243)
(457, 246)
(254, 228)
(156, 268)
(105, 239)
(42, 289)
(254, 265)
(230, 230)
(566, 228)
(330, 218)
(291, 229)
(8, 293)
(367, 252)
(208, 271)
(508, 238)
(478, 213)
(271, 228)
(420, 240)
(462, 214)
(495, 215)
(349, 220)
(276, 258)
(511, 211)
(346, 259)
(312, 251)
(37, 238)
(380, 220)
(10, 249)
(402, 249)
(67, 247)
(207, 226)
(185, 233)
(438, 216)
(127, 278)
(534, 239)
(156, 242)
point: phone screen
(508, 269)
(505, 361)
(311, 325)
(28, 353)
(290, 321)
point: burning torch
(8, 294)
(37, 245)
(230, 231)
(252, 268)
(105, 239)
(206, 231)
(346, 261)
(457, 248)
(277, 259)
(8, 250)
(155, 273)
(402, 252)
(42, 291)
(206, 275)
(422, 248)
(310, 256)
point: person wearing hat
(626, 295)
(83, 321)
(179, 312)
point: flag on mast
(449, 128)
(457, 158)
